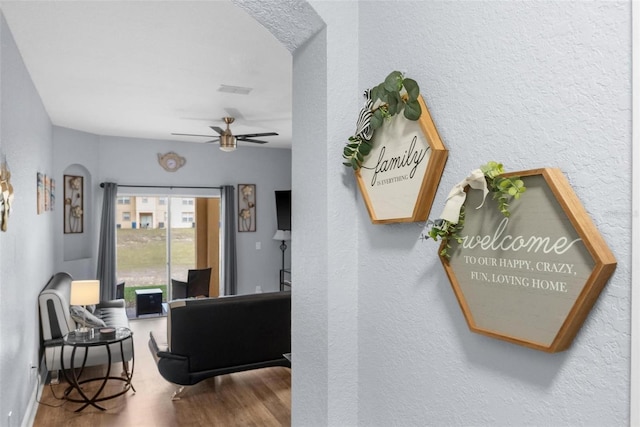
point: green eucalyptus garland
(503, 189)
(395, 95)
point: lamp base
(84, 332)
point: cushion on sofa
(84, 318)
(113, 313)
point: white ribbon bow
(457, 195)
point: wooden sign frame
(522, 296)
(411, 202)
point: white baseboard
(32, 406)
(36, 395)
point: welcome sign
(399, 178)
(531, 278)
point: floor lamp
(283, 236)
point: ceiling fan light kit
(228, 141)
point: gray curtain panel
(107, 246)
(229, 250)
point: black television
(283, 209)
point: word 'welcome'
(507, 242)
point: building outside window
(124, 200)
(126, 216)
(188, 217)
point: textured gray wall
(27, 247)
(529, 84)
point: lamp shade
(282, 235)
(85, 292)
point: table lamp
(84, 292)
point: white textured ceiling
(147, 69)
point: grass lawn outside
(142, 258)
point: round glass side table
(83, 342)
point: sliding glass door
(157, 240)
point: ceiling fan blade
(191, 134)
(217, 129)
(213, 140)
(251, 140)
(252, 135)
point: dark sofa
(215, 336)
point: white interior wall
(342, 215)
(310, 271)
(76, 152)
(529, 84)
(635, 224)
(27, 247)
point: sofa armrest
(53, 343)
(116, 303)
(172, 367)
(158, 342)
(159, 348)
(167, 355)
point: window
(145, 200)
(126, 216)
(162, 201)
(188, 202)
(124, 200)
(188, 217)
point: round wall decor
(171, 161)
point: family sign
(399, 178)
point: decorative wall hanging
(45, 193)
(246, 207)
(39, 193)
(6, 195)
(171, 161)
(52, 194)
(529, 274)
(398, 159)
(73, 204)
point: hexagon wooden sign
(399, 178)
(532, 278)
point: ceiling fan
(227, 139)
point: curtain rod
(171, 187)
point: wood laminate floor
(254, 398)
